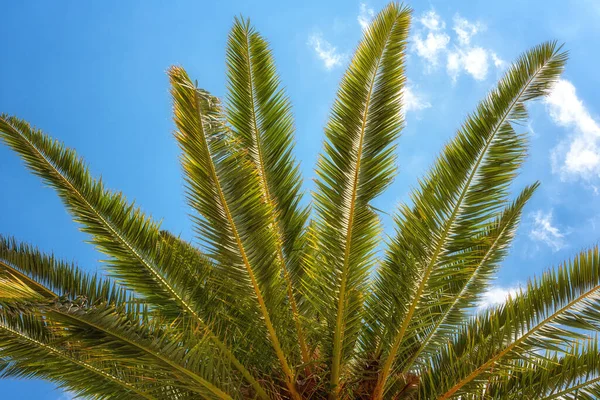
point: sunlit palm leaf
(126, 323)
(34, 352)
(491, 247)
(465, 189)
(119, 230)
(553, 314)
(275, 306)
(260, 117)
(234, 219)
(357, 164)
(52, 277)
(574, 374)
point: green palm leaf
(121, 315)
(35, 353)
(276, 302)
(490, 251)
(117, 228)
(234, 219)
(465, 189)
(53, 278)
(573, 374)
(357, 164)
(553, 314)
(259, 114)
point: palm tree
(278, 299)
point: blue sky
(92, 74)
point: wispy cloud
(365, 16)
(465, 29)
(474, 61)
(431, 43)
(497, 295)
(579, 155)
(432, 21)
(413, 101)
(543, 230)
(326, 51)
(431, 46)
(498, 62)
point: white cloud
(413, 101)
(432, 42)
(498, 62)
(325, 51)
(365, 16)
(465, 30)
(476, 63)
(473, 61)
(497, 295)
(454, 64)
(543, 230)
(431, 46)
(579, 156)
(432, 21)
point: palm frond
(29, 350)
(139, 258)
(233, 217)
(574, 374)
(465, 190)
(53, 278)
(587, 388)
(117, 228)
(261, 121)
(174, 351)
(553, 314)
(356, 165)
(79, 293)
(491, 249)
(269, 304)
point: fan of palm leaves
(278, 297)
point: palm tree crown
(279, 299)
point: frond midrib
(339, 328)
(103, 329)
(273, 206)
(433, 333)
(155, 354)
(443, 238)
(123, 241)
(573, 388)
(520, 340)
(246, 261)
(112, 229)
(76, 361)
(26, 277)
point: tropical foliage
(279, 297)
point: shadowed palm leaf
(278, 299)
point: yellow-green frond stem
(261, 122)
(196, 116)
(117, 228)
(466, 187)
(27, 258)
(553, 314)
(24, 341)
(493, 247)
(356, 165)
